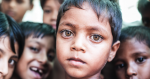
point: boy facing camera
(132, 60)
(16, 8)
(87, 36)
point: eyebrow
(14, 56)
(94, 28)
(138, 53)
(68, 24)
(36, 42)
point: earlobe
(113, 51)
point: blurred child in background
(11, 45)
(132, 60)
(39, 51)
(50, 11)
(144, 9)
(16, 8)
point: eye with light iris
(96, 38)
(66, 33)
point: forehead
(46, 41)
(53, 3)
(85, 17)
(131, 48)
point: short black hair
(143, 5)
(10, 28)
(42, 2)
(37, 29)
(140, 33)
(104, 8)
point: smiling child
(39, 51)
(87, 36)
(132, 60)
(11, 45)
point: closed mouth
(77, 60)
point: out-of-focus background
(131, 16)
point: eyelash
(63, 33)
(34, 49)
(140, 60)
(100, 38)
(120, 66)
(47, 11)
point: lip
(37, 72)
(76, 61)
(10, 13)
(54, 26)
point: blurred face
(8, 58)
(83, 45)
(15, 8)
(50, 9)
(36, 61)
(146, 18)
(133, 60)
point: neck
(96, 76)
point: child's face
(50, 9)
(83, 42)
(133, 60)
(8, 58)
(15, 8)
(36, 61)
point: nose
(131, 70)
(78, 44)
(3, 68)
(12, 4)
(54, 15)
(42, 57)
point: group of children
(61, 47)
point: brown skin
(37, 53)
(133, 60)
(89, 40)
(8, 58)
(16, 8)
(50, 10)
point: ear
(113, 51)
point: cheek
(25, 59)
(10, 72)
(143, 69)
(46, 18)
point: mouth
(37, 72)
(10, 13)
(76, 61)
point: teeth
(40, 71)
(34, 69)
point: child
(143, 7)
(87, 36)
(16, 8)
(50, 10)
(39, 51)
(132, 60)
(11, 45)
